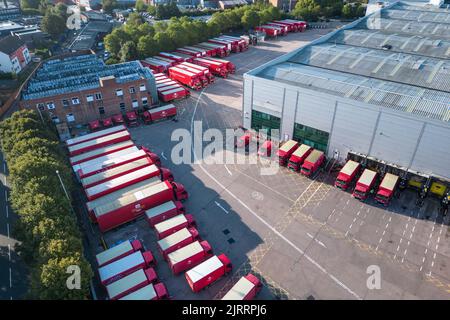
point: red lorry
(203, 52)
(131, 283)
(172, 225)
(245, 289)
(386, 189)
(159, 113)
(118, 119)
(315, 159)
(171, 93)
(221, 49)
(192, 53)
(285, 152)
(364, 184)
(116, 172)
(170, 56)
(216, 68)
(301, 25)
(126, 180)
(243, 44)
(127, 208)
(284, 27)
(210, 51)
(132, 119)
(185, 77)
(204, 73)
(156, 65)
(208, 272)
(170, 62)
(99, 142)
(124, 266)
(163, 212)
(107, 122)
(97, 153)
(177, 240)
(149, 292)
(229, 65)
(180, 57)
(298, 157)
(266, 149)
(94, 125)
(291, 25)
(117, 252)
(235, 44)
(347, 174)
(227, 44)
(281, 29)
(188, 256)
(270, 32)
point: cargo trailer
(172, 225)
(207, 76)
(130, 207)
(386, 189)
(149, 292)
(167, 60)
(221, 49)
(271, 32)
(170, 56)
(245, 289)
(177, 240)
(298, 157)
(188, 256)
(117, 252)
(132, 119)
(210, 51)
(124, 266)
(233, 45)
(202, 52)
(284, 27)
(229, 65)
(173, 94)
(189, 52)
(312, 163)
(94, 135)
(347, 174)
(301, 25)
(185, 77)
(101, 152)
(364, 184)
(126, 180)
(156, 65)
(227, 44)
(291, 25)
(131, 283)
(163, 212)
(208, 272)
(285, 152)
(166, 83)
(243, 44)
(159, 113)
(99, 143)
(215, 67)
(179, 57)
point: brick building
(78, 89)
(14, 54)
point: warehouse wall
(388, 135)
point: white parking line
(162, 155)
(7, 229)
(7, 211)
(229, 172)
(10, 278)
(9, 252)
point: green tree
(29, 4)
(250, 19)
(347, 11)
(60, 9)
(128, 51)
(134, 19)
(114, 41)
(308, 10)
(53, 24)
(140, 6)
(147, 47)
(152, 10)
(109, 5)
(163, 41)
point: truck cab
(146, 117)
(285, 151)
(228, 266)
(266, 149)
(298, 157)
(161, 291)
(107, 122)
(179, 191)
(94, 125)
(312, 163)
(166, 174)
(132, 119)
(364, 184)
(243, 141)
(118, 119)
(386, 189)
(347, 174)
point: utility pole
(63, 186)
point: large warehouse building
(379, 87)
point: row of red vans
(168, 89)
(366, 182)
(282, 27)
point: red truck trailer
(177, 240)
(283, 27)
(268, 30)
(129, 207)
(117, 252)
(347, 174)
(266, 149)
(171, 94)
(149, 292)
(189, 52)
(156, 65)
(312, 163)
(99, 142)
(207, 76)
(301, 25)
(216, 68)
(229, 65)
(118, 119)
(208, 272)
(132, 119)
(172, 225)
(168, 60)
(94, 135)
(291, 25)
(185, 77)
(165, 83)
(243, 44)
(245, 289)
(170, 56)
(116, 172)
(386, 189)
(131, 283)
(210, 51)
(285, 151)
(126, 180)
(100, 152)
(179, 57)
(364, 184)
(298, 157)
(188, 256)
(163, 212)
(221, 49)
(124, 266)
(159, 113)
(203, 52)
(225, 43)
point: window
(144, 101)
(40, 106)
(75, 100)
(119, 92)
(122, 107)
(55, 119)
(98, 96)
(101, 110)
(65, 103)
(50, 105)
(90, 98)
(70, 117)
(142, 87)
(132, 90)
(135, 104)
(315, 138)
(261, 120)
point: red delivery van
(188, 256)
(285, 151)
(364, 184)
(149, 292)
(208, 272)
(298, 157)
(163, 212)
(131, 283)
(245, 289)
(347, 174)
(117, 252)
(312, 163)
(169, 226)
(387, 188)
(177, 240)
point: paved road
(13, 274)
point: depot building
(379, 87)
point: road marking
(9, 252)
(7, 229)
(162, 155)
(10, 278)
(6, 195)
(228, 170)
(7, 211)
(220, 206)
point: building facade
(14, 54)
(79, 89)
(379, 87)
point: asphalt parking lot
(304, 238)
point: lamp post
(63, 186)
